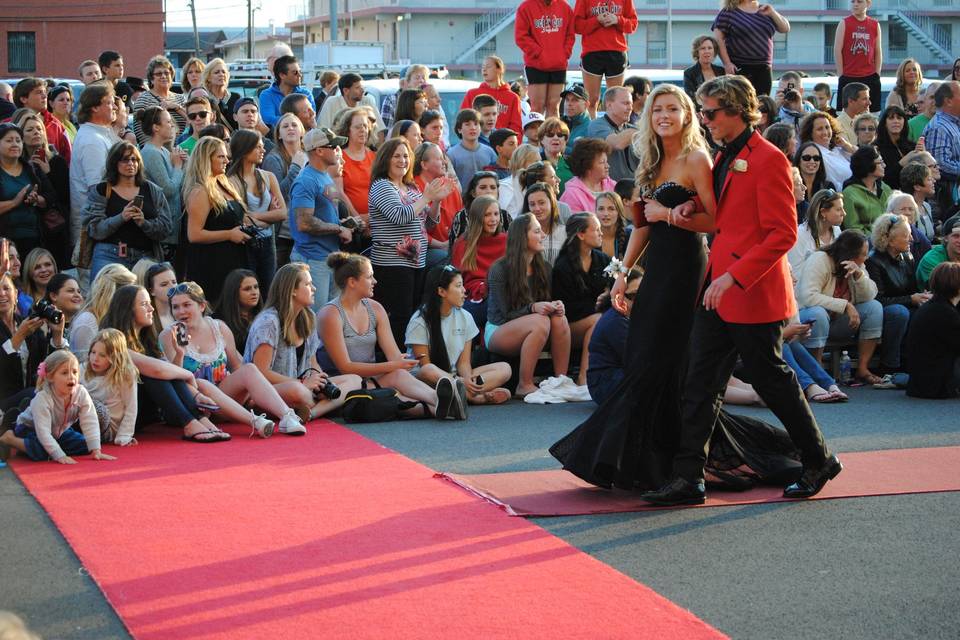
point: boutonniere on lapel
(740, 166)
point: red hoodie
(600, 38)
(508, 103)
(544, 32)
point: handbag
(85, 247)
(379, 404)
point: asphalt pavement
(875, 567)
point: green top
(188, 144)
(928, 263)
(864, 206)
(917, 124)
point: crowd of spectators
(228, 253)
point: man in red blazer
(747, 300)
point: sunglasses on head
(178, 289)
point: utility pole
(250, 29)
(196, 34)
(333, 20)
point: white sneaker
(290, 424)
(262, 426)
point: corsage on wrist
(614, 268)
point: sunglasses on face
(710, 114)
(630, 296)
(806, 158)
(865, 129)
(197, 114)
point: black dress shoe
(677, 491)
(813, 480)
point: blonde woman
(215, 218)
(84, 327)
(216, 80)
(907, 92)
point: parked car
(451, 94)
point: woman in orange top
(357, 161)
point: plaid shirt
(941, 137)
(389, 109)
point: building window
(656, 42)
(829, 35)
(898, 40)
(780, 47)
(21, 51)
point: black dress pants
(714, 347)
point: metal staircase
(925, 30)
(486, 29)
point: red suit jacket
(756, 227)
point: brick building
(51, 37)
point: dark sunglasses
(811, 158)
(631, 296)
(866, 128)
(710, 114)
(197, 114)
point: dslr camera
(45, 309)
(329, 391)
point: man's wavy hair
(735, 94)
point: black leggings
(399, 290)
(173, 399)
(759, 75)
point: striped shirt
(392, 219)
(941, 137)
(748, 36)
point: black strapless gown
(630, 440)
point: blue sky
(232, 13)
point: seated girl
(352, 327)
(158, 280)
(84, 327)
(44, 430)
(821, 227)
(579, 280)
(837, 297)
(111, 380)
(540, 201)
(482, 183)
(483, 244)
(283, 344)
(164, 388)
(440, 336)
(205, 347)
(608, 342)
(520, 317)
(63, 292)
(933, 344)
(613, 223)
(239, 304)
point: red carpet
(326, 536)
(867, 473)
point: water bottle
(846, 368)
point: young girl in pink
(44, 430)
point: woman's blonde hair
(199, 175)
(193, 291)
(293, 326)
(208, 70)
(122, 373)
(108, 280)
(522, 157)
(53, 362)
(282, 148)
(29, 263)
(900, 87)
(647, 144)
(883, 227)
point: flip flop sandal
(840, 396)
(823, 398)
(196, 437)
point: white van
(451, 93)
